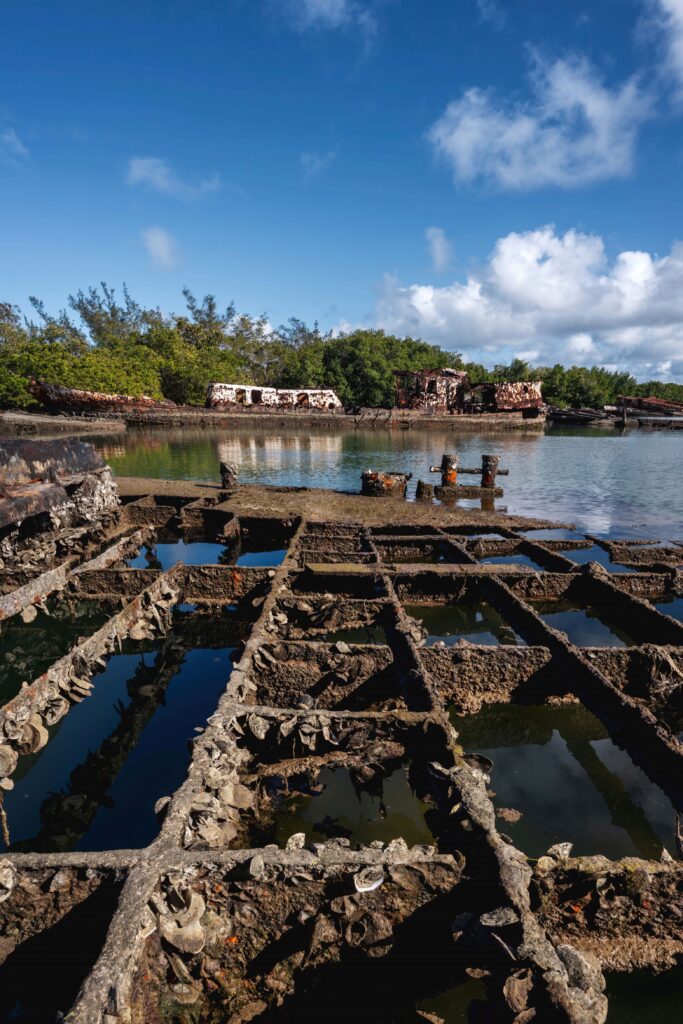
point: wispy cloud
(314, 163)
(157, 174)
(329, 15)
(440, 248)
(161, 247)
(12, 149)
(571, 131)
(491, 11)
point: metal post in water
(489, 469)
(448, 470)
(424, 491)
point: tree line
(101, 342)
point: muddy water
(511, 560)
(357, 635)
(453, 1006)
(27, 649)
(474, 621)
(607, 482)
(361, 815)
(642, 996)
(558, 766)
(94, 786)
(584, 626)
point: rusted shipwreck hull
(73, 400)
(633, 405)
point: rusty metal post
(489, 469)
(384, 485)
(448, 470)
(424, 491)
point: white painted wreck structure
(227, 396)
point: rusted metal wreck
(226, 914)
(449, 391)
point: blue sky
(500, 178)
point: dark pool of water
(274, 556)
(584, 626)
(590, 491)
(360, 814)
(94, 786)
(645, 998)
(40, 980)
(357, 635)
(453, 1005)
(558, 766)
(27, 649)
(672, 607)
(475, 621)
(511, 560)
(596, 554)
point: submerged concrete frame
(548, 961)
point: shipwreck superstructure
(447, 391)
(229, 396)
(216, 896)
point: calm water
(584, 626)
(342, 809)
(474, 621)
(558, 766)
(94, 786)
(606, 482)
(164, 555)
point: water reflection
(336, 805)
(571, 474)
(474, 621)
(558, 766)
(585, 627)
(27, 649)
(94, 786)
(165, 555)
(673, 607)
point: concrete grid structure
(205, 922)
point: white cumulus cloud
(571, 131)
(161, 247)
(440, 248)
(556, 298)
(157, 174)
